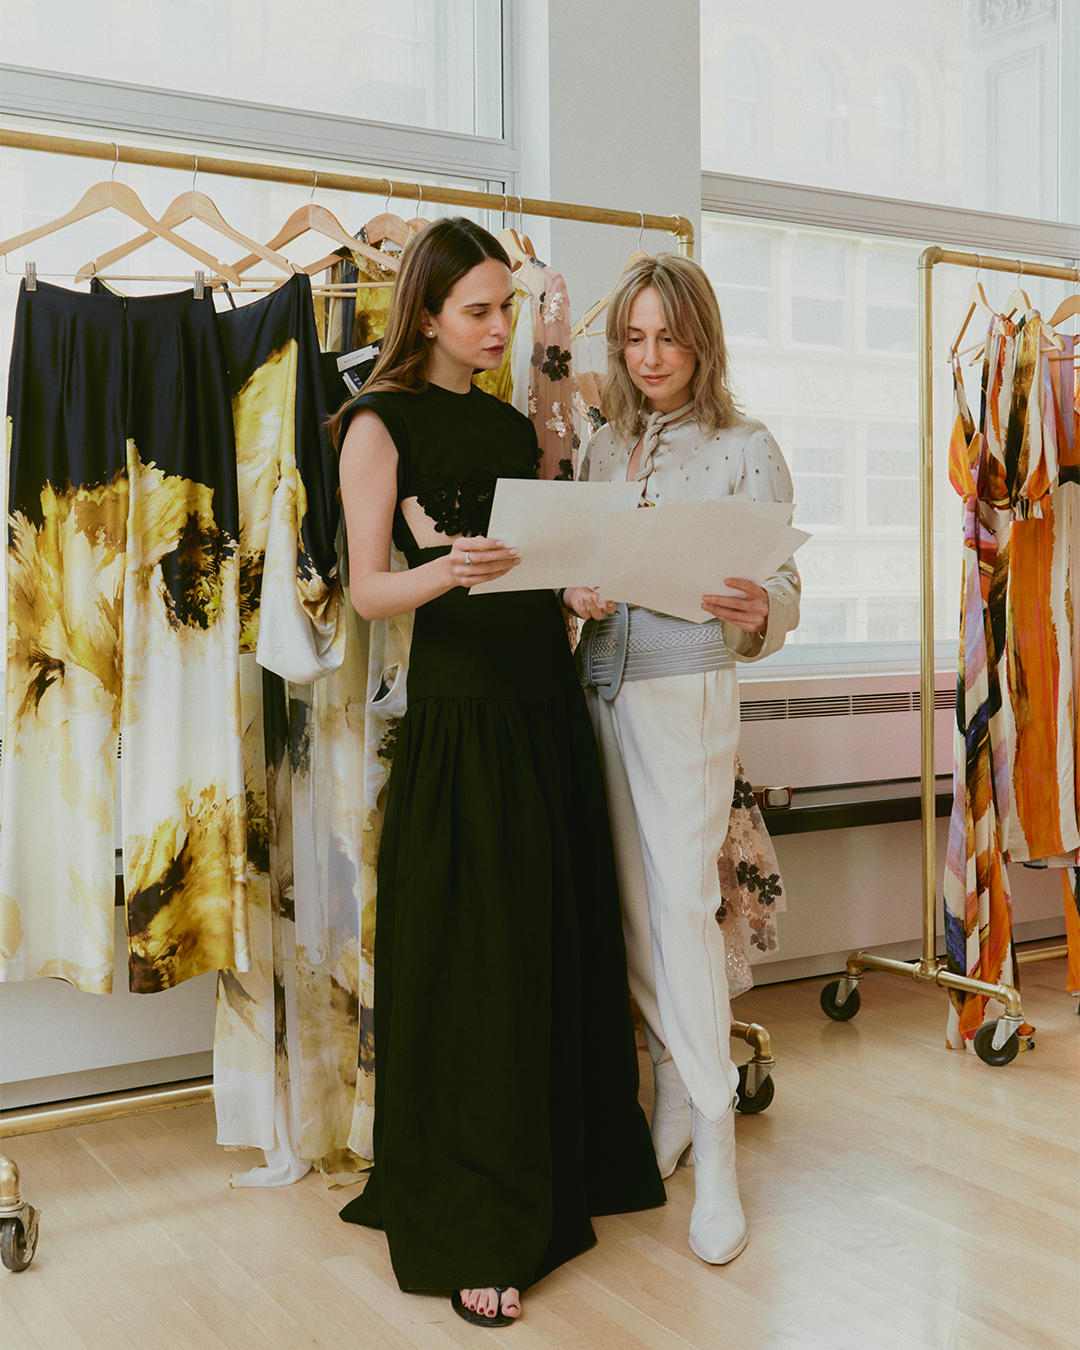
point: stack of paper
(663, 558)
(667, 558)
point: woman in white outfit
(665, 702)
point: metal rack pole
(347, 182)
(930, 970)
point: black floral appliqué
(743, 796)
(566, 471)
(766, 884)
(557, 365)
(458, 505)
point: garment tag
(356, 366)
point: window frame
(135, 109)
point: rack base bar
(934, 972)
(109, 1106)
(1043, 954)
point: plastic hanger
(188, 206)
(123, 199)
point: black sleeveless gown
(506, 1105)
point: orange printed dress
(978, 907)
(1041, 667)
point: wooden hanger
(601, 305)
(388, 226)
(321, 221)
(123, 199)
(976, 300)
(1017, 300)
(1068, 309)
(519, 248)
(188, 206)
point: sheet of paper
(627, 534)
(557, 529)
(717, 540)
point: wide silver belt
(638, 644)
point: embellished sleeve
(551, 382)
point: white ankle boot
(671, 1125)
(717, 1225)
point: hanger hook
(1020, 264)
(419, 197)
(314, 184)
(979, 268)
(521, 217)
(641, 231)
(506, 207)
(389, 194)
(116, 161)
(194, 173)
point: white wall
(58, 1042)
(608, 115)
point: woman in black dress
(506, 1074)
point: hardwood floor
(900, 1196)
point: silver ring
(468, 560)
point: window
(822, 113)
(422, 63)
(740, 265)
(742, 99)
(892, 127)
(891, 459)
(819, 287)
(837, 384)
(969, 103)
(892, 311)
(821, 472)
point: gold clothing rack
(347, 182)
(19, 1220)
(840, 998)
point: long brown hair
(431, 266)
(692, 319)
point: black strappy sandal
(479, 1319)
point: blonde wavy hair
(692, 319)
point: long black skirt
(506, 1108)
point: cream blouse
(678, 459)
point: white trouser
(668, 747)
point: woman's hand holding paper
(750, 611)
(473, 559)
(585, 602)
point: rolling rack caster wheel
(839, 1004)
(750, 1103)
(985, 1049)
(17, 1247)
(18, 1221)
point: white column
(608, 114)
